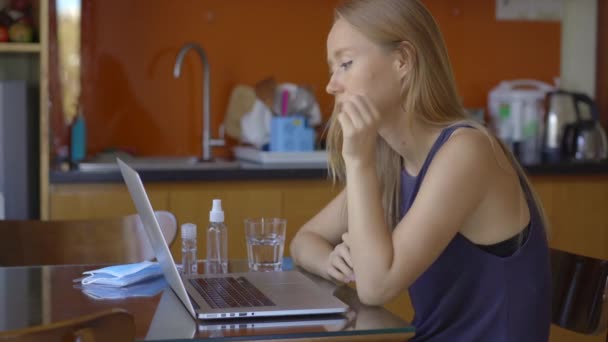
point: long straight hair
(429, 89)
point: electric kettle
(579, 138)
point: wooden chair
(580, 292)
(116, 325)
(121, 240)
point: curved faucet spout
(206, 129)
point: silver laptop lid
(159, 245)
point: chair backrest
(116, 325)
(580, 292)
(121, 240)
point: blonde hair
(428, 90)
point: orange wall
(132, 101)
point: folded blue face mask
(145, 289)
(123, 275)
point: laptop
(232, 295)
(172, 324)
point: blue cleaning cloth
(123, 275)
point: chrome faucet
(207, 142)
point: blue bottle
(78, 139)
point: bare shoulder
(461, 177)
(470, 150)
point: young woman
(432, 201)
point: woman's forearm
(311, 252)
(370, 240)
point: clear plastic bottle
(217, 240)
(530, 145)
(189, 263)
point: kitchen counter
(280, 173)
(567, 168)
(241, 173)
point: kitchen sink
(160, 163)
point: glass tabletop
(37, 295)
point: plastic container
(291, 134)
(189, 253)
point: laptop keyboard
(230, 292)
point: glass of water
(265, 243)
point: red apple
(3, 34)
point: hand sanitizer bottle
(217, 240)
(189, 263)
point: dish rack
(254, 155)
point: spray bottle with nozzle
(217, 240)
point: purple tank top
(470, 295)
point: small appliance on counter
(572, 129)
(516, 109)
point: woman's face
(358, 66)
